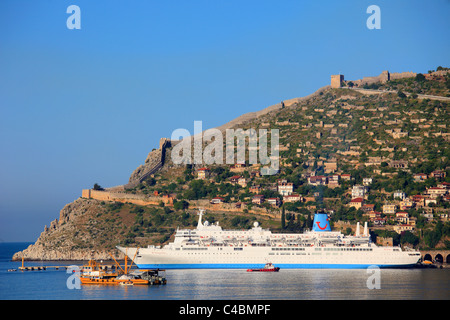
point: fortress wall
(254, 115)
(384, 77)
(402, 75)
(120, 197)
(143, 200)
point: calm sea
(408, 284)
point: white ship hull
(210, 247)
(254, 257)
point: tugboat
(269, 267)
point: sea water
(394, 284)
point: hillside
(333, 144)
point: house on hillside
(258, 199)
(242, 182)
(398, 164)
(217, 200)
(403, 227)
(274, 202)
(379, 221)
(203, 173)
(374, 215)
(438, 174)
(368, 207)
(398, 194)
(235, 179)
(389, 208)
(420, 177)
(255, 189)
(435, 192)
(406, 204)
(359, 191)
(317, 180)
(357, 203)
(285, 188)
(238, 167)
(330, 167)
(402, 217)
(292, 198)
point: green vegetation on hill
(366, 135)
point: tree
(98, 187)
(420, 77)
(401, 95)
(180, 205)
(283, 219)
(408, 237)
(309, 221)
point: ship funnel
(357, 230)
(321, 222)
(365, 234)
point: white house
(399, 194)
(358, 191)
(285, 188)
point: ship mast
(200, 214)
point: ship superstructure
(210, 247)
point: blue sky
(85, 106)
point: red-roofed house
(439, 174)
(374, 215)
(418, 177)
(357, 203)
(402, 217)
(203, 173)
(217, 200)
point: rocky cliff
(153, 158)
(74, 236)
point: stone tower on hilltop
(336, 80)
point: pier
(42, 268)
(439, 256)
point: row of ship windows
(346, 249)
(282, 249)
(295, 249)
(287, 254)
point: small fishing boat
(269, 267)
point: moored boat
(208, 246)
(94, 273)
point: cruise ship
(210, 247)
